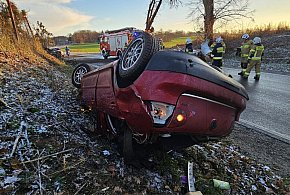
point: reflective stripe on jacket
(214, 44)
(218, 51)
(256, 52)
(245, 48)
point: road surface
(269, 106)
(95, 59)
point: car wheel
(136, 57)
(115, 126)
(128, 152)
(78, 73)
(119, 55)
(157, 44)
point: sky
(62, 17)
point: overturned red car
(150, 94)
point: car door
(89, 83)
(105, 96)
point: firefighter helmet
(218, 40)
(257, 40)
(188, 40)
(245, 36)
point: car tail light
(160, 112)
(180, 117)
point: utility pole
(12, 19)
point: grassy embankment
(22, 53)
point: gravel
(265, 149)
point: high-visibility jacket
(218, 51)
(245, 48)
(189, 47)
(256, 52)
(214, 44)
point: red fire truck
(113, 43)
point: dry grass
(263, 30)
(22, 53)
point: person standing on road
(67, 51)
(212, 44)
(244, 52)
(255, 58)
(218, 52)
(188, 45)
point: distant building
(61, 40)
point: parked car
(149, 94)
(56, 52)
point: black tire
(136, 57)
(119, 55)
(157, 45)
(78, 73)
(128, 152)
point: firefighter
(218, 52)
(188, 45)
(214, 43)
(255, 58)
(244, 52)
(125, 46)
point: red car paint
(209, 109)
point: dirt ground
(263, 148)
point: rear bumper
(204, 117)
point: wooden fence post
(12, 19)
(29, 27)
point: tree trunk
(208, 19)
(151, 14)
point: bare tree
(210, 12)
(153, 10)
(43, 35)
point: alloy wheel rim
(133, 54)
(79, 74)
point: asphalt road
(268, 109)
(95, 59)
